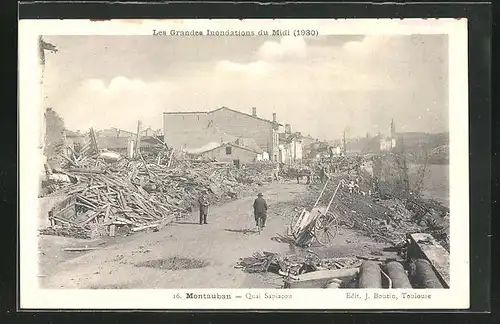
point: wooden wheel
(326, 229)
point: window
(228, 150)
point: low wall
(44, 206)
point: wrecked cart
(319, 224)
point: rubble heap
(420, 262)
(259, 173)
(105, 191)
(384, 220)
(294, 264)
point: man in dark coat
(203, 202)
(260, 210)
(323, 174)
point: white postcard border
(30, 121)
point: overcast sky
(320, 86)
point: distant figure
(322, 175)
(260, 210)
(309, 175)
(351, 186)
(203, 201)
(277, 173)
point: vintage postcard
(244, 164)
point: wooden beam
(319, 279)
(80, 249)
(138, 138)
(424, 245)
(140, 228)
(93, 141)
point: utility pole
(138, 139)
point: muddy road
(186, 254)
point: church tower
(393, 129)
(393, 134)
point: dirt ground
(186, 254)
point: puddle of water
(174, 263)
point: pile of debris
(257, 173)
(105, 190)
(421, 262)
(384, 220)
(111, 198)
(293, 265)
(342, 164)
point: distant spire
(393, 128)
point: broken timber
(80, 249)
(320, 279)
(424, 245)
(140, 228)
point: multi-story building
(290, 146)
(193, 130)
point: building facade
(191, 130)
(230, 152)
(387, 144)
(290, 145)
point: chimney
(254, 111)
(288, 128)
(274, 117)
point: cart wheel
(326, 229)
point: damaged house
(197, 131)
(290, 146)
(232, 152)
(114, 139)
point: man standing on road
(260, 210)
(323, 174)
(203, 202)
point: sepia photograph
(262, 160)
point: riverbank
(384, 220)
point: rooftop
(258, 151)
(211, 112)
